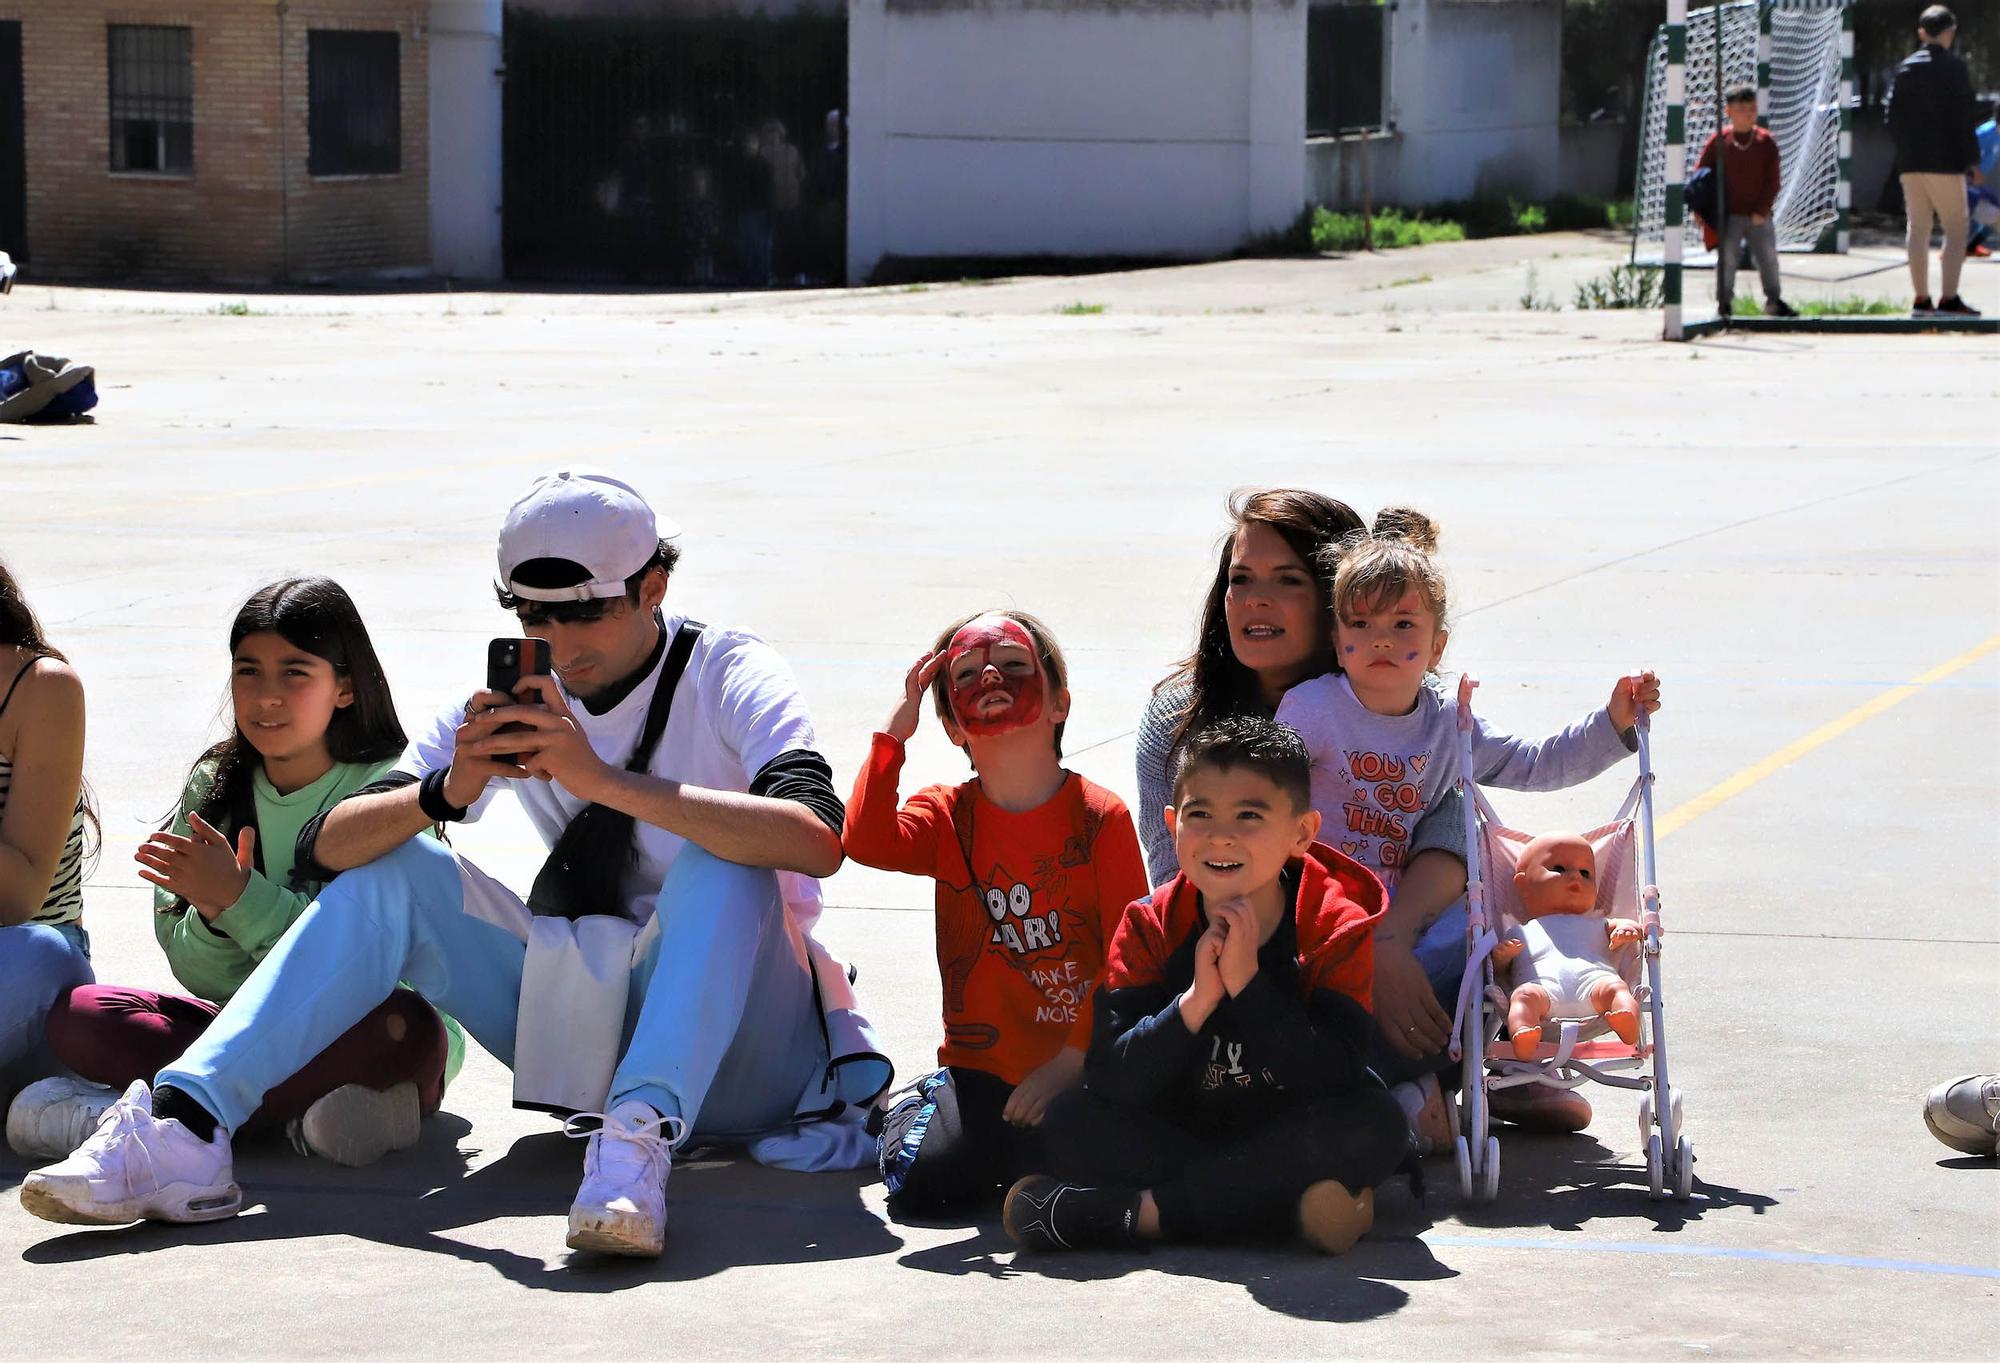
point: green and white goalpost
(1800, 56)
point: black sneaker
(1043, 1212)
(1723, 308)
(1955, 306)
(1778, 307)
(1923, 307)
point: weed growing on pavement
(237, 309)
(1848, 305)
(1080, 309)
(1623, 286)
(1533, 299)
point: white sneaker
(356, 1125)
(137, 1168)
(622, 1206)
(50, 1118)
(1965, 1113)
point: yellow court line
(1686, 814)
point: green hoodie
(213, 959)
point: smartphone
(507, 661)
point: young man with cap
(1933, 118)
(739, 1025)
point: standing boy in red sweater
(1750, 179)
(1034, 865)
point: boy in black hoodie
(1226, 1095)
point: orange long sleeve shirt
(1026, 903)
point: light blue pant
(722, 1030)
(39, 963)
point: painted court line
(1763, 1256)
(1683, 815)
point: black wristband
(431, 799)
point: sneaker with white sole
(1965, 1113)
(621, 1207)
(50, 1118)
(356, 1125)
(136, 1167)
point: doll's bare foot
(1538, 1107)
(1525, 1040)
(1625, 1023)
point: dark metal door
(703, 152)
(13, 147)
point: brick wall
(250, 213)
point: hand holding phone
(507, 661)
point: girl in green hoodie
(313, 723)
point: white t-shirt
(737, 708)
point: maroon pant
(113, 1036)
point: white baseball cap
(586, 516)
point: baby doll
(1568, 973)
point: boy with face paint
(1033, 866)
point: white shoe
(1965, 1113)
(356, 1125)
(50, 1118)
(621, 1208)
(137, 1168)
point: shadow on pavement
(1359, 1285)
(1562, 1182)
(720, 1214)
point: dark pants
(964, 1154)
(113, 1036)
(1237, 1186)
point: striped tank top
(65, 898)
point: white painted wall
(1474, 106)
(465, 138)
(1071, 127)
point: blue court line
(1767, 1256)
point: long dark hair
(317, 615)
(20, 628)
(1307, 522)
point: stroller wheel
(1656, 1181)
(1490, 1185)
(1684, 1169)
(1463, 1153)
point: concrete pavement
(1786, 528)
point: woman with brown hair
(1267, 625)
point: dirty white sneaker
(356, 1125)
(50, 1118)
(1965, 1113)
(622, 1206)
(137, 1168)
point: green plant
(237, 309)
(1080, 309)
(1623, 286)
(1848, 305)
(1533, 299)
(1393, 230)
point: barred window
(1346, 57)
(355, 94)
(152, 98)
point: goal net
(1800, 101)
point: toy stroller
(1583, 1051)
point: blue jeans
(1441, 952)
(722, 1030)
(39, 963)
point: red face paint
(990, 661)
